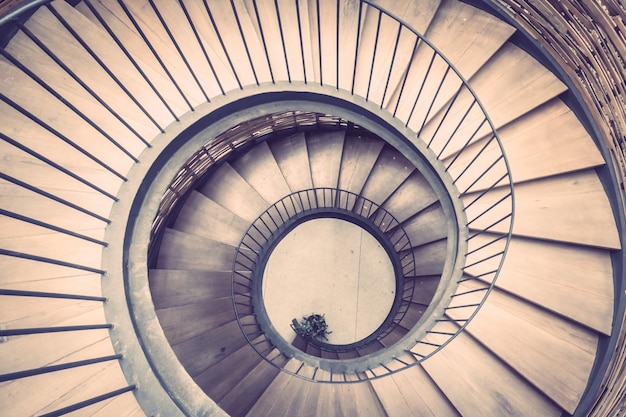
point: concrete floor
(331, 267)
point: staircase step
(171, 288)
(180, 250)
(427, 226)
(531, 143)
(199, 353)
(543, 210)
(483, 384)
(228, 189)
(360, 153)
(273, 391)
(527, 340)
(259, 168)
(205, 218)
(406, 392)
(26, 238)
(572, 281)
(292, 156)
(141, 95)
(42, 349)
(389, 172)
(411, 197)
(148, 20)
(220, 379)
(60, 42)
(325, 150)
(430, 258)
(23, 131)
(122, 28)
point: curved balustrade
(279, 219)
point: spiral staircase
(155, 153)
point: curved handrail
(280, 218)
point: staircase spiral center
(331, 267)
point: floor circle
(332, 267)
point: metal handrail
(277, 220)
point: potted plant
(312, 327)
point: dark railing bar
(469, 292)
(462, 306)
(282, 39)
(51, 227)
(58, 329)
(337, 42)
(130, 58)
(493, 164)
(393, 61)
(417, 355)
(356, 47)
(385, 366)
(401, 361)
(466, 144)
(52, 196)
(319, 40)
(450, 320)
(221, 41)
(54, 368)
(441, 333)
(177, 47)
(449, 107)
(84, 85)
(248, 247)
(487, 244)
(22, 293)
(267, 56)
(154, 53)
(505, 197)
(91, 401)
(486, 229)
(58, 134)
(297, 5)
(56, 166)
(110, 73)
(474, 158)
(201, 45)
(406, 76)
(483, 260)
(485, 191)
(432, 102)
(419, 93)
(474, 277)
(22, 255)
(423, 342)
(369, 81)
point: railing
(262, 235)
(421, 89)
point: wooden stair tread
(544, 354)
(292, 157)
(411, 197)
(427, 226)
(573, 281)
(170, 288)
(475, 381)
(113, 57)
(531, 143)
(180, 250)
(119, 23)
(543, 210)
(203, 217)
(389, 172)
(359, 156)
(259, 168)
(146, 17)
(67, 49)
(430, 258)
(230, 190)
(199, 353)
(325, 151)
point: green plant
(312, 326)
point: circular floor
(331, 267)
